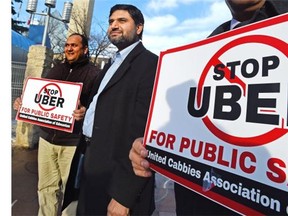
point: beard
(123, 41)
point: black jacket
(80, 71)
(121, 111)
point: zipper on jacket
(70, 71)
(53, 137)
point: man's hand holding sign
(218, 122)
(51, 103)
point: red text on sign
(162, 139)
(246, 161)
(276, 173)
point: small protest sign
(49, 103)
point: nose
(68, 46)
(114, 25)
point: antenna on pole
(19, 10)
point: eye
(122, 20)
(110, 22)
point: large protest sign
(49, 103)
(218, 118)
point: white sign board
(49, 103)
(218, 117)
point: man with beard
(116, 115)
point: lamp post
(66, 14)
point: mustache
(115, 30)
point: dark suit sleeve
(126, 187)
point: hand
(79, 113)
(116, 209)
(17, 103)
(137, 155)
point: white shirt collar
(233, 23)
(123, 53)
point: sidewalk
(24, 182)
(24, 185)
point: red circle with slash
(251, 141)
(44, 90)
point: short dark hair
(134, 12)
(84, 41)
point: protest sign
(49, 103)
(218, 118)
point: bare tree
(58, 34)
(98, 40)
(99, 44)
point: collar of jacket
(81, 61)
(138, 49)
(270, 8)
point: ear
(139, 28)
(85, 50)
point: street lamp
(66, 14)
